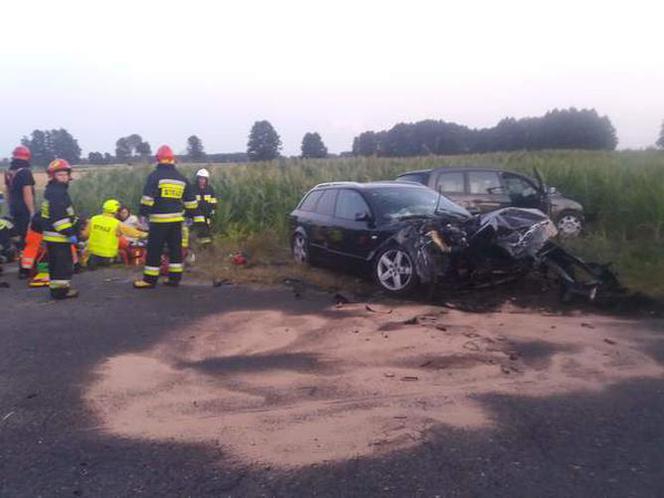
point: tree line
(557, 129)
(264, 144)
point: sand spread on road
(292, 390)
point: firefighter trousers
(33, 241)
(160, 236)
(203, 233)
(60, 268)
(22, 223)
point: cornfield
(622, 192)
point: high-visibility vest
(104, 240)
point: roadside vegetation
(622, 193)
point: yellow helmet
(111, 206)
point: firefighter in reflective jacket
(167, 198)
(60, 228)
(207, 204)
(104, 232)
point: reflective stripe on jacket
(58, 219)
(207, 202)
(167, 196)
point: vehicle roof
(461, 168)
(369, 185)
(416, 171)
(475, 168)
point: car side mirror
(362, 216)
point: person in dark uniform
(207, 204)
(167, 199)
(60, 228)
(20, 190)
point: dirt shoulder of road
(289, 391)
(347, 378)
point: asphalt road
(608, 443)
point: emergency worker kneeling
(104, 233)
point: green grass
(622, 192)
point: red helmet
(57, 165)
(165, 155)
(22, 152)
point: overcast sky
(169, 69)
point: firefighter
(60, 227)
(207, 204)
(167, 198)
(104, 233)
(20, 190)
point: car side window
(309, 202)
(450, 183)
(350, 203)
(518, 187)
(484, 182)
(325, 204)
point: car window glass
(309, 202)
(422, 178)
(349, 204)
(484, 182)
(325, 204)
(517, 186)
(397, 203)
(451, 183)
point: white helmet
(203, 173)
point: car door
(351, 235)
(452, 184)
(486, 191)
(522, 191)
(321, 222)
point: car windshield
(398, 203)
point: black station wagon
(350, 224)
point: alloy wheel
(300, 248)
(570, 225)
(394, 270)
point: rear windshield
(397, 203)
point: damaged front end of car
(495, 248)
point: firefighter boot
(142, 284)
(71, 293)
(171, 282)
(60, 294)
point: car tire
(394, 271)
(300, 249)
(570, 224)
